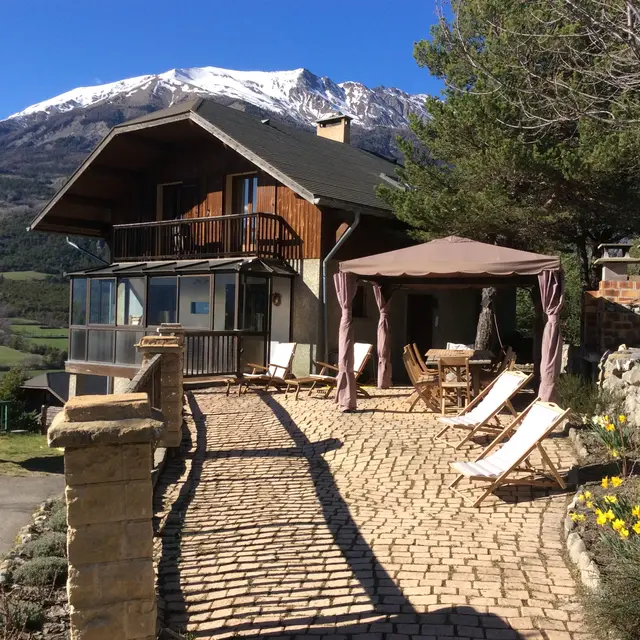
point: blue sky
(50, 46)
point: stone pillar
(172, 350)
(107, 462)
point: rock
(614, 384)
(576, 547)
(632, 376)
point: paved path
(288, 519)
(19, 498)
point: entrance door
(420, 321)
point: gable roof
(56, 382)
(319, 170)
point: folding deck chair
(486, 406)
(274, 374)
(361, 354)
(495, 465)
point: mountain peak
(297, 94)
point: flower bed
(33, 598)
(605, 517)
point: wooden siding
(208, 163)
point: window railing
(264, 235)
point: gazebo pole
(538, 330)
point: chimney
(335, 126)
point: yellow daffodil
(610, 427)
(609, 515)
(606, 418)
(610, 499)
(588, 494)
(617, 524)
(615, 453)
(581, 497)
(601, 518)
(605, 482)
(616, 481)
(589, 504)
(622, 419)
(578, 517)
(636, 511)
(624, 533)
(636, 528)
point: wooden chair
(510, 463)
(273, 375)
(426, 369)
(476, 417)
(425, 385)
(454, 381)
(361, 354)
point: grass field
(58, 338)
(19, 321)
(10, 357)
(24, 275)
(23, 454)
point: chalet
(228, 224)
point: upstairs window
(245, 194)
(177, 199)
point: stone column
(172, 350)
(107, 461)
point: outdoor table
(478, 358)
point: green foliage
(615, 607)
(19, 417)
(582, 395)
(42, 572)
(22, 615)
(58, 520)
(45, 300)
(52, 543)
(478, 173)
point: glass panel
(194, 302)
(130, 301)
(252, 351)
(102, 301)
(79, 301)
(126, 353)
(162, 300)
(254, 304)
(224, 302)
(78, 344)
(100, 346)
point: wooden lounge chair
(509, 463)
(361, 354)
(273, 375)
(425, 385)
(476, 417)
(454, 381)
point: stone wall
(107, 461)
(620, 374)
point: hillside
(42, 144)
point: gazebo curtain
(552, 295)
(383, 296)
(346, 390)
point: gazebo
(451, 261)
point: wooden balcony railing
(264, 235)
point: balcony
(264, 235)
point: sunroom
(232, 310)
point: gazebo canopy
(451, 257)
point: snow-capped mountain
(299, 96)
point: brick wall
(611, 315)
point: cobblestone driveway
(289, 519)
